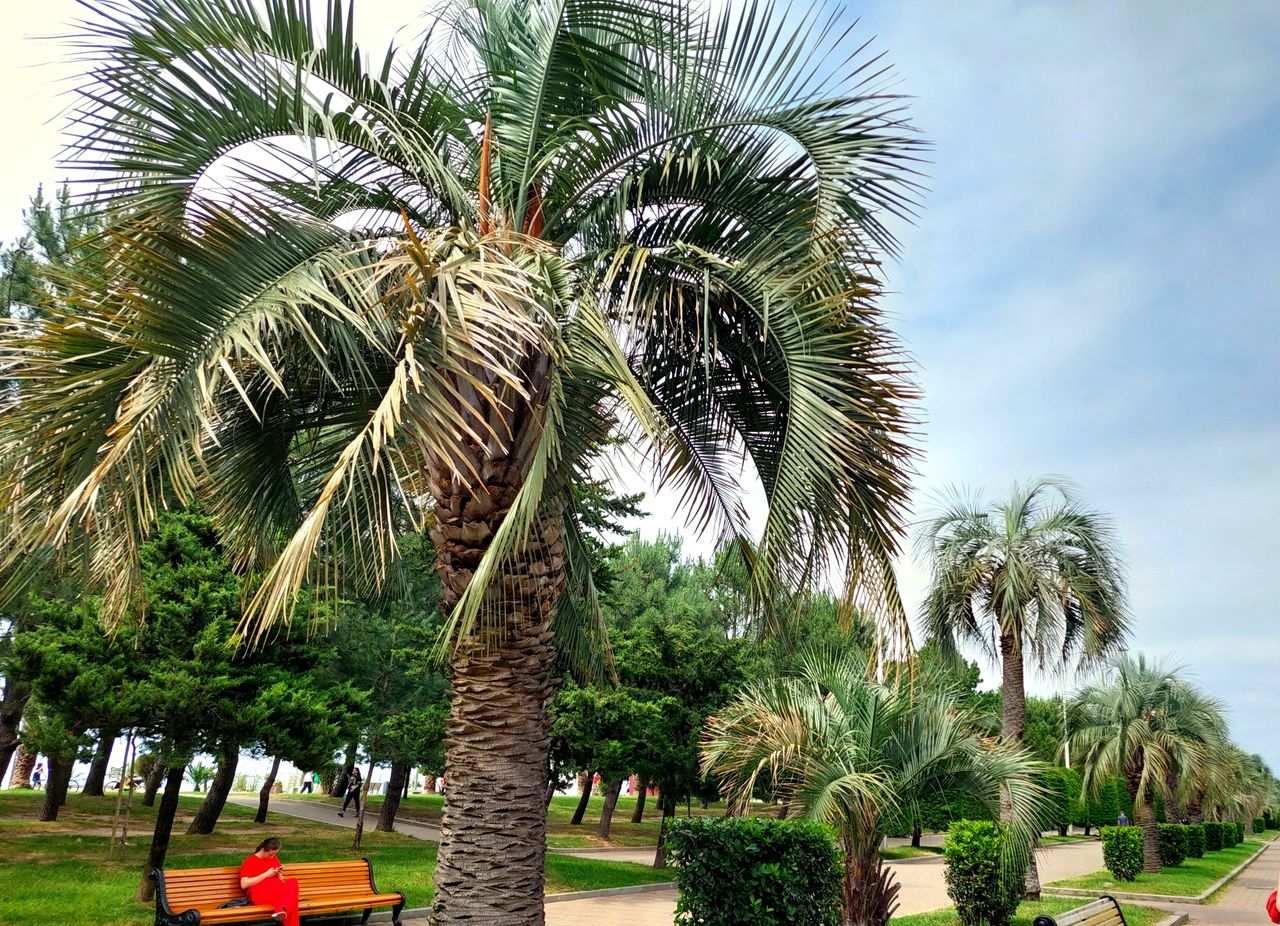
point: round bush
(1259, 824)
(1173, 844)
(742, 871)
(982, 890)
(1239, 832)
(1122, 851)
(1213, 836)
(1195, 840)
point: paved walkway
(1244, 903)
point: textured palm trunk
(12, 706)
(493, 829)
(1172, 809)
(23, 766)
(206, 817)
(642, 792)
(869, 894)
(1195, 811)
(1144, 814)
(1013, 710)
(584, 799)
(154, 779)
(165, 814)
(396, 785)
(264, 794)
(95, 781)
(610, 803)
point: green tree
(1035, 576)
(591, 213)
(1135, 723)
(849, 751)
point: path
(1244, 903)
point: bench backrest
(1102, 912)
(209, 888)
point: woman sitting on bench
(262, 878)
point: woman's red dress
(280, 895)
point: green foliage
(1195, 840)
(1239, 833)
(1122, 851)
(983, 888)
(742, 871)
(1259, 824)
(200, 775)
(1214, 836)
(1064, 784)
(1172, 844)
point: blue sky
(1089, 290)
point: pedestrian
(353, 792)
(262, 878)
(1123, 819)
(306, 783)
(36, 774)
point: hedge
(1195, 840)
(744, 871)
(977, 883)
(1122, 851)
(1239, 832)
(1214, 836)
(1259, 824)
(1173, 844)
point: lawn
(59, 872)
(895, 853)
(1192, 877)
(1134, 915)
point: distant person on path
(1123, 819)
(353, 792)
(262, 878)
(306, 783)
(36, 774)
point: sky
(1088, 290)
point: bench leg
(395, 913)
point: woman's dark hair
(270, 844)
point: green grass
(1134, 915)
(59, 872)
(894, 853)
(1192, 877)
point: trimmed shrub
(1239, 832)
(1228, 833)
(1259, 825)
(1122, 851)
(1173, 844)
(977, 883)
(1195, 840)
(1213, 836)
(746, 871)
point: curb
(1199, 899)
(1176, 920)
(422, 913)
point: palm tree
(1037, 575)
(855, 753)
(332, 294)
(1136, 722)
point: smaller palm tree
(855, 753)
(200, 775)
(1138, 721)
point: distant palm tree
(339, 285)
(845, 749)
(1038, 575)
(200, 775)
(1136, 722)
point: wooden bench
(1104, 911)
(193, 896)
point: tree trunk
(164, 829)
(366, 788)
(22, 768)
(583, 800)
(264, 795)
(1013, 711)
(12, 707)
(642, 792)
(606, 812)
(1195, 812)
(339, 788)
(97, 777)
(1172, 809)
(395, 790)
(1145, 816)
(404, 792)
(668, 802)
(784, 809)
(206, 817)
(869, 894)
(55, 794)
(915, 835)
(152, 785)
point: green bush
(1239, 832)
(1213, 836)
(1228, 834)
(1259, 824)
(1122, 851)
(977, 883)
(1195, 840)
(1173, 844)
(755, 872)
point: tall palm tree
(853, 752)
(1038, 575)
(330, 292)
(1136, 722)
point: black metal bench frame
(1045, 920)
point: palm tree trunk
(583, 800)
(97, 777)
(22, 768)
(264, 794)
(784, 809)
(868, 890)
(1013, 726)
(606, 812)
(915, 835)
(395, 790)
(642, 791)
(12, 707)
(1145, 816)
(1195, 811)
(206, 817)
(1172, 809)
(165, 813)
(55, 793)
(490, 867)
(152, 784)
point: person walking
(353, 791)
(262, 878)
(36, 775)
(1123, 819)
(306, 783)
